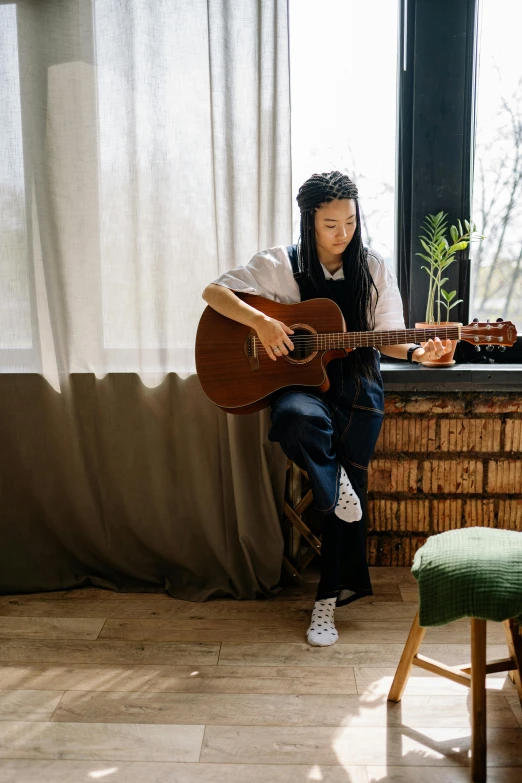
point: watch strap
(410, 352)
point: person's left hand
(432, 350)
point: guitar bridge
(251, 349)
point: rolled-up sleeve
(389, 312)
(268, 274)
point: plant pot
(447, 360)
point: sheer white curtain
(144, 149)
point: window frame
(436, 125)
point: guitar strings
(302, 338)
(320, 340)
(413, 332)
(347, 336)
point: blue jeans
(320, 432)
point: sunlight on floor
(101, 773)
(425, 684)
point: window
(15, 307)
(496, 270)
(343, 68)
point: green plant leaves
(439, 254)
(459, 246)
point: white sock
(348, 506)
(322, 631)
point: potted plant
(439, 255)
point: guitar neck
(390, 337)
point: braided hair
(316, 191)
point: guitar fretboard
(331, 340)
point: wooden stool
(298, 496)
(473, 674)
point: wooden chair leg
(292, 572)
(514, 643)
(411, 649)
(478, 700)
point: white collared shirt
(269, 274)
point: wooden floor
(141, 688)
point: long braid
(316, 191)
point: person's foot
(348, 506)
(322, 631)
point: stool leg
(478, 700)
(514, 643)
(411, 649)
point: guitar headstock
(501, 334)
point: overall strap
(304, 289)
(292, 255)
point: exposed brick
(513, 440)
(392, 475)
(505, 475)
(414, 515)
(510, 514)
(393, 404)
(497, 404)
(479, 513)
(372, 550)
(446, 514)
(383, 514)
(423, 405)
(452, 476)
(406, 435)
(470, 435)
(401, 553)
(393, 550)
(405, 515)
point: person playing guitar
(331, 435)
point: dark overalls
(318, 431)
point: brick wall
(443, 462)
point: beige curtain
(144, 149)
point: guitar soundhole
(304, 347)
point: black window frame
(436, 124)
(435, 139)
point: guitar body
(237, 374)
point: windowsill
(401, 376)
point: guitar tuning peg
(499, 320)
(502, 348)
(475, 320)
(487, 320)
(489, 347)
(477, 348)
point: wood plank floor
(128, 688)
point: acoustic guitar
(237, 374)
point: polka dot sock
(322, 631)
(348, 506)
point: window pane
(343, 65)
(496, 282)
(15, 309)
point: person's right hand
(274, 336)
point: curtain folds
(145, 149)
(116, 484)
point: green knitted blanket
(472, 572)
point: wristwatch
(411, 349)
